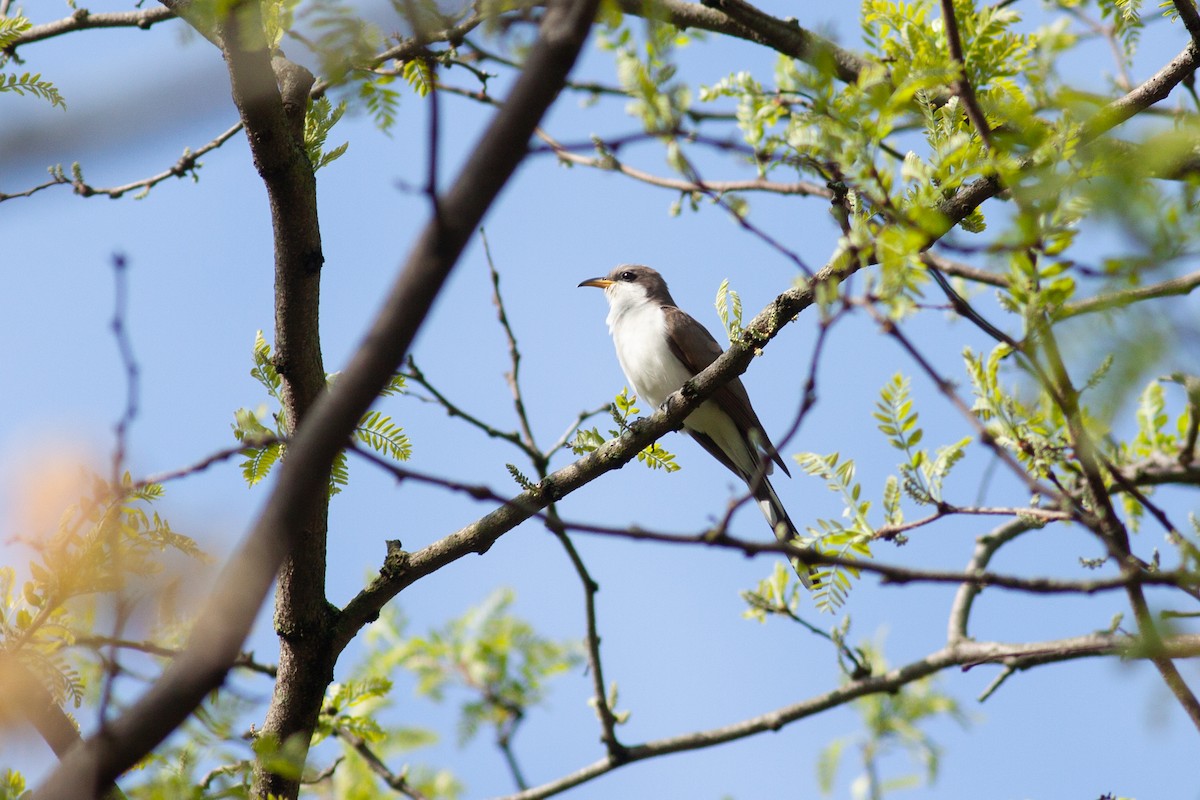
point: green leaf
(729, 308)
(382, 435)
(32, 84)
(322, 116)
(419, 74)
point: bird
(660, 347)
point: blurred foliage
(892, 723)
(107, 546)
(490, 658)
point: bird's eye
(627, 276)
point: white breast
(654, 373)
(651, 368)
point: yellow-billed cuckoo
(660, 348)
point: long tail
(781, 524)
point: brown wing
(732, 397)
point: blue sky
(200, 283)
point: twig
(414, 374)
(244, 660)
(609, 162)
(83, 19)
(947, 390)
(120, 332)
(962, 84)
(208, 461)
(742, 219)
(118, 326)
(892, 574)
(376, 765)
(187, 164)
(608, 719)
(569, 433)
(513, 376)
(1182, 285)
(966, 271)
(962, 653)
(1043, 515)
(985, 547)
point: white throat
(638, 328)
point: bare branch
(985, 547)
(376, 765)
(966, 271)
(1191, 19)
(742, 20)
(1182, 285)
(245, 660)
(83, 19)
(514, 356)
(611, 163)
(187, 165)
(963, 653)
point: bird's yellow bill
(599, 283)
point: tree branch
(83, 19)
(1182, 285)
(187, 164)
(963, 653)
(229, 613)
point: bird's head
(629, 286)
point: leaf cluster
(11, 28)
(322, 116)
(849, 540)
(624, 409)
(891, 723)
(646, 72)
(492, 657)
(921, 475)
(266, 444)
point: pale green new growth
(265, 445)
(587, 440)
(729, 308)
(419, 75)
(103, 544)
(833, 537)
(322, 116)
(26, 83)
(497, 658)
(32, 83)
(922, 475)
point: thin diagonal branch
(375, 764)
(963, 653)
(514, 356)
